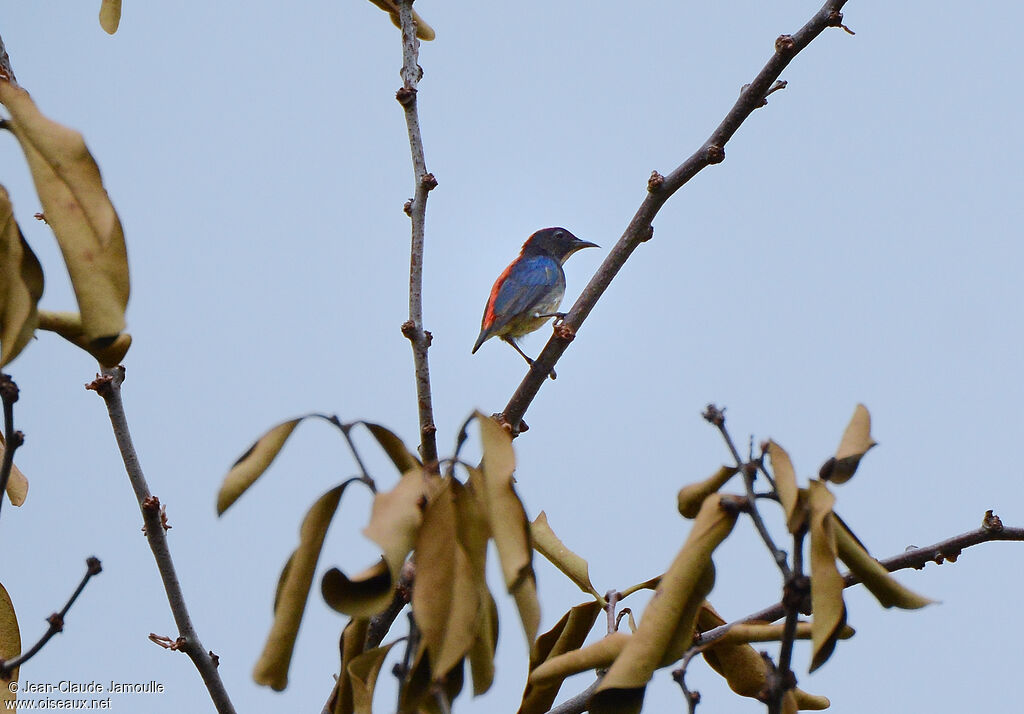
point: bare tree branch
(417, 210)
(108, 386)
(56, 621)
(748, 469)
(660, 189)
(917, 558)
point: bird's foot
(550, 374)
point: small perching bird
(529, 291)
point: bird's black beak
(581, 244)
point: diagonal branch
(417, 210)
(108, 386)
(992, 529)
(660, 189)
(56, 621)
(917, 558)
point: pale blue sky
(859, 244)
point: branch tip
(8, 389)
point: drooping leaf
(785, 484)
(394, 447)
(886, 589)
(353, 644)
(394, 521)
(78, 210)
(509, 525)
(472, 526)
(110, 15)
(10, 643)
(363, 672)
(743, 668)
(423, 30)
(667, 625)
(293, 591)
(363, 595)
(692, 495)
(597, 655)
(108, 352)
(856, 442)
(481, 654)
(551, 547)
(17, 484)
(446, 600)
(251, 465)
(826, 582)
(566, 636)
(21, 285)
(421, 691)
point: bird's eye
(559, 234)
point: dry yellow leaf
(110, 15)
(251, 465)
(21, 285)
(742, 666)
(423, 30)
(17, 484)
(667, 626)
(446, 601)
(394, 521)
(855, 443)
(509, 525)
(886, 589)
(691, 496)
(785, 484)
(551, 547)
(362, 672)
(565, 637)
(826, 582)
(10, 643)
(293, 591)
(78, 210)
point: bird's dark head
(555, 242)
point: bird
(529, 291)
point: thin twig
(404, 668)
(660, 189)
(380, 624)
(795, 591)
(12, 438)
(56, 621)
(579, 703)
(679, 675)
(108, 386)
(417, 210)
(945, 550)
(345, 429)
(716, 416)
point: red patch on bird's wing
(489, 314)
